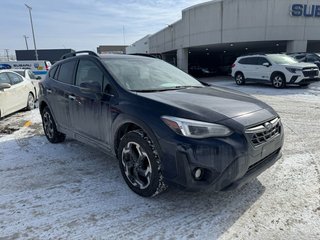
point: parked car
(28, 74)
(39, 68)
(307, 57)
(278, 69)
(16, 93)
(198, 71)
(164, 126)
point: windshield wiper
(166, 89)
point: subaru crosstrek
(164, 126)
(277, 69)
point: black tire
(278, 80)
(50, 128)
(140, 164)
(239, 78)
(30, 102)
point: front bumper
(227, 163)
(298, 79)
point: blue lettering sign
(296, 10)
(317, 11)
(308, 11)
(299, 10)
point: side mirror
(38, 78)
(4, 86)
(90, 87)
(266, 64)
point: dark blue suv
(165, 127)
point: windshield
(281, 59)
(148, 74)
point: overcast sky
(84, 24)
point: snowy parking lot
(72, 191)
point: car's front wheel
(140, 164)
(30, 102)
(278, 80)
(50, 128)
(239, 78)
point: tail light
(233, 65)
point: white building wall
(140, 46)
(231, 21)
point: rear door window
(66, 72)
(249, 61)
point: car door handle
(49, 91)
(72, 97)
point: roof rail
(254, 53)
(73, 54)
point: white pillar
(182, 59)
(297, 46)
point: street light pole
(7, 53)
(25, 39)
(34, 39)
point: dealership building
(214, 33)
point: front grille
(310, 72)
(264, 132)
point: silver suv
(278, 69)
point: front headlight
(293, 70)
(195, 129)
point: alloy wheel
(48, 125)
(137, 165)
(30, 102)
(239, 79)
(277, 81)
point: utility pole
(124, 37)
(34, 39)
(7, 53)
(25, 39)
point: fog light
(198, 173)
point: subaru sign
(305, 10)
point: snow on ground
(72, 191)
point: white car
(29, 75)
(16, 93)
(279, 69)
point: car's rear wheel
(278, 81)
(140, 164)
(50, 128)
(30, 102)
(239, 78)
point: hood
(210, 104)
(301, 65)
